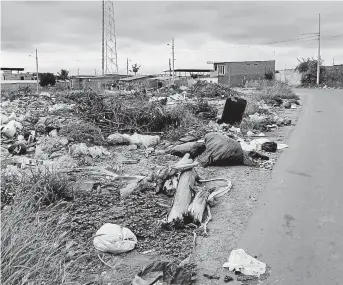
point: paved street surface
(298, 226)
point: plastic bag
(144, 140)
(244, 263)
(114, 239)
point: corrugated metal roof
(132, 78)
(251, 61)
(190, 70)
(161, 78)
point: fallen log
(197, 207)
(183, 196)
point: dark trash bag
(221, 151)
(168, 272)
(269, 146)
(233, 110)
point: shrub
(269, 75)
(47, 79)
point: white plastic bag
(10, 129)
(244, 263)
(114, 239)
(145, 140)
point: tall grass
(34, 247)
(272, 89)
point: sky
(68, 34)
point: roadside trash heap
(159, 207)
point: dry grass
(272, 89)
(34, 246)
(80, 131)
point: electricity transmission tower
(109, 42)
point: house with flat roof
(237, 73)
(15, 73)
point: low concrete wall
(289, 76)
(6, 86)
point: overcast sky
(67, 34)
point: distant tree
(63, 74)
(308, 70)
(47, 79)
(135, 68)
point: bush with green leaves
(47, 79)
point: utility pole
(318, 63)
(37, 72)
(127, 67)
(173, 60)
(103, 39)
(170, 67)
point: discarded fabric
(163, 271)
(114, 239)
(221, 150)
(244, 263)
(193, 148)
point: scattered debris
(269, 146)
(228, 279)
(167, 272)
(244, 263)
(211, 276)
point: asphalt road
(297, 228)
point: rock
(117, 139)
